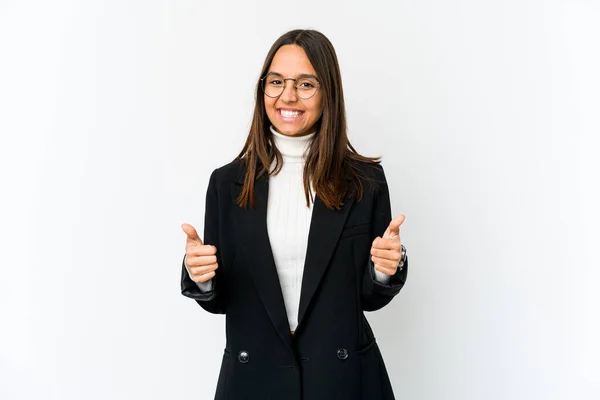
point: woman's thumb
(191, 233)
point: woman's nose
(289, 94)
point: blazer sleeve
(213, 299)
(375, 294)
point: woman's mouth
(289, 115)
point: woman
(298, 241)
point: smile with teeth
(289, 114)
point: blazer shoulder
(375, 171)
(228, 173)
(373, 175)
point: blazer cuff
(203, 286)
(191, 289)
(380, 277)
(393, 281)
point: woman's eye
(275, 82)
(307, 84)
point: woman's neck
(292, 148)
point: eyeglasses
(305, 86)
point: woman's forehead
(291, 61)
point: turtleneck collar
(292, 148)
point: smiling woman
(314, 244)
(293, 108)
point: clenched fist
(386, 251)
(200, 259)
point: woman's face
(291, 115)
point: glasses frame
(262, 85)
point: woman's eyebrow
(299, 76)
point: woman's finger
(204, 278)
(384, 262)
(386, 254)
(204, 250)
(387, 244)
(387, 271)
(200, 261)
(197, 271)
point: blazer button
(243, 356)
(342, 354)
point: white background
(113, 114)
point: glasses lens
(306, 87)
(273, 85)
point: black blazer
(332, 354)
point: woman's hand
(200, 259)
(386, 252)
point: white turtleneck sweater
(288, 222)
(288, 219)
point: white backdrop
(114, 113)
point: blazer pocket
(366, 348)
(355, 230)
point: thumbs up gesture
(200, 258)
(386, 251)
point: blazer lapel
(325, 229)
(254, 236)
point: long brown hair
(332, 164)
